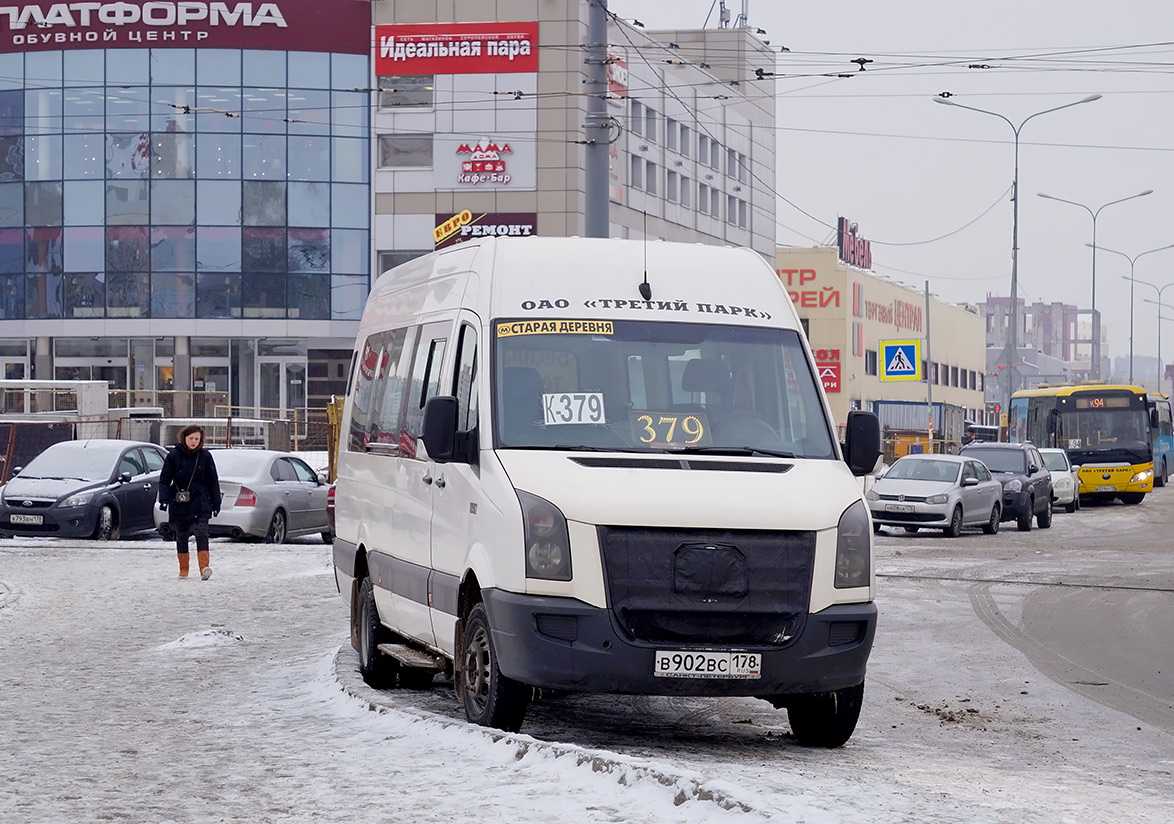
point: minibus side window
(425, 383)
(368, 365)
(465, 380)
(384, 424)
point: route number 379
(572, 407)
(667, 428)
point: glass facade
(184, 183)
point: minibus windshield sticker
(665, 429)
(554, 327)
(573, 407)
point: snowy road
(128, 695)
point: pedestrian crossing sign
(900, 360)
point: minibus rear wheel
(825, 719)
(377, 669)
(491, 699)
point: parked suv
(1027, 483)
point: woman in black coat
(189, 492)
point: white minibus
(606, 466)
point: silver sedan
(946, 492)
(265, 495)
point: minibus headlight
(1144, 475)
(853, 548)
(548, 545)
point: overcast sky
(874, 147)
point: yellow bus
(1104, 428)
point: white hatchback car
(1065, 483)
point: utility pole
(598, 126)
(928, 364)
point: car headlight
(853, 548)
(548, 544)
(1144, 475)
(871, 495)
(80, 499)
(1013, 486)
(937, 499)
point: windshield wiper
(732, 450)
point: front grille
(913, 499)
(45, 527)
(706, 586)
(18, 503)
(681, 463)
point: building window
(953, 376)
(731, 163)
(715, 155)
(743, 208)
(703, 148)
(650, 117)
(702, 198)
(397, 91)
(686, 136)
(405, 151)
(390, 260)
(686, 192)
(650, 177)
(636, 174)
(715, 204)
(870, 361)
(636, 119)
(742, 172)
(670, 133)
(671, 186)
(731, 210)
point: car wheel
(1160, 477)
(328, 538)
(106, 528)
(490, 698)
(377, 669)
(991, 527)
(876, 528)
(825, 719)
(912, 528)
(955, 527)
(1073, 505)
(1132, 498)
(1044, 519)
(276, 533)
(1024, 520)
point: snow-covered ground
(129, 695)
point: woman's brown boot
(184, 560)
(205, 565)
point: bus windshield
(1097, 426)
(656, 387)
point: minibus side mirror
(440, 427)
(1153, 417)
(862, 442)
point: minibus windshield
(656, 387)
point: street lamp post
(1133, 262)
(1013, 360)
(1095, 373)
(1159, 304)
(1161, 318)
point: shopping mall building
(195, 196)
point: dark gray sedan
(266, 495)
(103, 489)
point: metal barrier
(172, 402)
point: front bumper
(923, 514)
(565, 644)
(1016, 505)
(60, 522)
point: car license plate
(17, 518)
(1106, 489)
(898, 507)
(740, 665)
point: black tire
(825, 719)
(991, 527)
(1076, 502)
(1132, 498)
(955, 527)
(1160, 477)
(1024, 520)
(876, 528)
(106, 528)
(164, 529)
(415, 679)
(490, 698)
(912, 529)
(277, 528)
(1044, 519)
(328, 538)
(377, 669)
(1074, 505)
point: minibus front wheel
(490, 698)
(377, 669)
(825, 719)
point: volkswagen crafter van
(597, 465)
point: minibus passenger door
(458, 496)
(414, 490)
